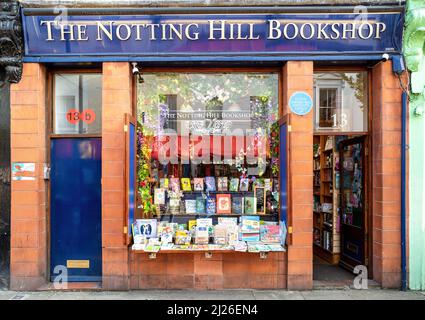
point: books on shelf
(270, 233)
(250, 205)
(244, 185)
(228, 221)
(220, 234)
(191, 206)
(234, 185)
(237, 205)
(250, 228)
(211, 205)
(201, 234)
(175, 184)
(186, 186)
(198, 184)
(224, 204)
(268, 184)
(164, 183)
(210, 184)
(222, 184)
(145, 228)
(159, 196)
(200, 205)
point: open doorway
(340, 211)
(340, 175)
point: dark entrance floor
(327, 275)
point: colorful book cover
(251, 237)
(204, 222)
(146, 227)
(222, 184)
(234, 185)
(201, 235)
(198, 184)
(191, 224)
(164, 183)
(237, 205)
(175, 184)
(227, 221)
(224, 204)
(200, 205)
(190, 206)
(210, 184)
(250, 224)
(159, 196)
(250, 205)
(268, 184)
(244, 185)
(186, 186)
(258, 183)
(211, 207)
(232, 234)
(270, 234)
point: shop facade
(115, 103)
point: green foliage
(143, 174)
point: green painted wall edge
(414, 50)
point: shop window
(77, 104)
(341, 101)
(208, 169)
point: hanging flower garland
(274, 148)
(143, 174)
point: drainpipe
(398, 69)
(403, 190)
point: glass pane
(345, 97)
(207, 103)
(352, 185)
(78, 104)
(217, 131)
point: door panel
(76, 170)
(352, 200)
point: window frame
(368, 85)
(52, 102)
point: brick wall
(386, 134)
(234, 270)
(298, 76)
(28, 208)
(116, 102)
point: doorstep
(341, 285)
(73, 286)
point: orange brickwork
(222, 271)
(28, 256)
(116, 102)
(386, 155)
(298, 76)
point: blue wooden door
(75, 194)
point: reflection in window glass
(341, 101)
(236, 110)
(78, 104)
(207, 104)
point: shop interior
(340, 173)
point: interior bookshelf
(325, 199)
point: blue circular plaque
(301, 103)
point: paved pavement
(345, 294)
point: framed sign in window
(130, 176)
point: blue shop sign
(301, 103)
(172, 37)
